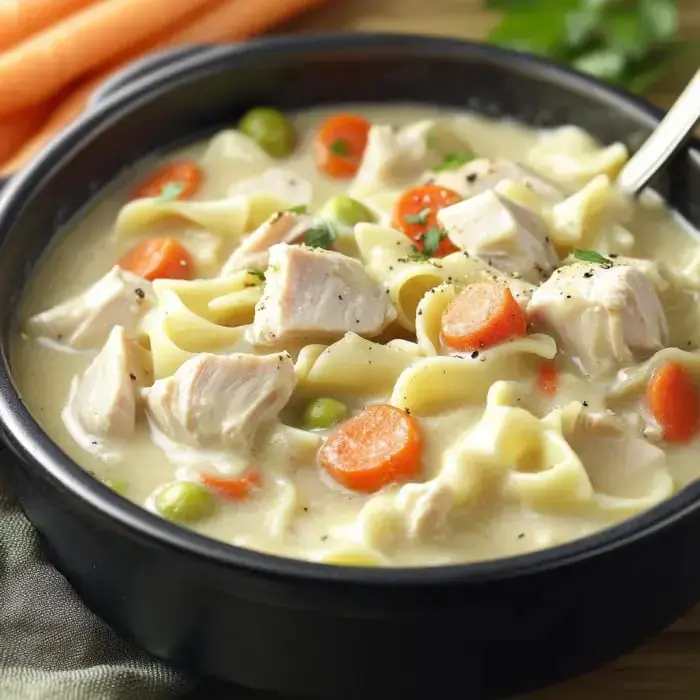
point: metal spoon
(664, 141)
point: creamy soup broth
(514, 465)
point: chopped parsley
(171, 192)
(340, 147)
(321, 235)
(420, 218)
(298, 209)
(256, 273)
(431, 240)
(591, 256)
(416, 256)
(453, 161)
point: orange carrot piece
(674, 402)
(185, 175)
(548, 378)
(378, 446)
(483, 315)
(159, 258)
(17, 129)
(20, 19)
(37, 69)
(233, 489)
(339, 145)
(415, 213)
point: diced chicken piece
(317, 295)
(283, 227)
(282, 183)
(507, 236)
(483, 174)
(84, 322)
(220, 401)
(104, 402)
(426, 508)
(603, 315)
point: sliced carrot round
(674, 402)
(548, 378)
(378, 446)
(159, 258)
(415, 213)
(340, 144)
(184, 177)
(483, 315)
(233, 489)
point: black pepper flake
(324, 538)
(306, 510)
(357, 320)
(340, 296)
(521, 535)
(408, 411)
(132, 376)
(140, 293)
(585, 403)
(546, 239)
(420, 312)
(471, 177)
(475, 354)
(588, 274)
(568, 296)
(276, 217)
(59, 336)
(613, 255)
(93, 442)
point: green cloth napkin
(51, 645)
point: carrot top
(376, 447)
(674, 402)
(483, 315)
(340, 144)
(415, 213)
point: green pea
(323, 413)
(118, 485)
(346, 210)
(270, 129)
(185, 501)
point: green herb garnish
(321, 235)
(626, 42)
(432, 239)
(591, 256)
(340, 147)
(453, 161)
(171, 192)
(260, 274)
(416, 255)
(298, 209)
(420, 218)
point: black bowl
(486, 629)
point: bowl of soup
(339, 366)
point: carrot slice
(233, 489)
(548, 378)
(674, 402)
(159, 258)
(185, 176)
(378, 446)
(483, 315)
(415, 213)
(340, 144)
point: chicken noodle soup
(378, 336)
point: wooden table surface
(668, 667)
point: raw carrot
(17, 129)
(340, 143)
(483, 315)
(415, 213)
(186, 176)
(548, 378)
(39, 67)
(158, 258)
(20, 19)
(378, 446)
(233, 489)
(674, 402)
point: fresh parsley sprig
(625, 42)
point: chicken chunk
(602, 315)
(483, 174)
(426, 508)
(509, 237)
(317, 295)
(283, 227)
(219, 401)
(103, 404)
(120, 298)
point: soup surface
(378, 336)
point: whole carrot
(17, 128)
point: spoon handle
(662, 144)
